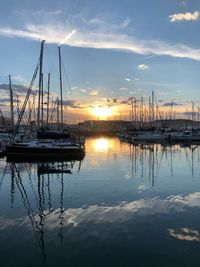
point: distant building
(100, 126)
(113, 126)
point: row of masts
(57, 105)
(40, 114)
(142, 112)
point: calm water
(123, 205)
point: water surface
(123, 205)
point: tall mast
(40, 83)
(48, 93)
(61, 94)
(11, 104)
(135, 111)
(132, 111)
(42, 101)
(153, 115)
(142, 111)
(58, 111)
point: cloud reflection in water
(125, 211)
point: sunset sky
(112, 51)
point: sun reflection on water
(102, 145)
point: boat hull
(26, 153)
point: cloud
(6, 100)
(81, 32)
(125, 23)
(183, 3)
(128, 79)
(185, 234)
(69, 103)
(20, 89)
(126, 211)
(48, 13)
(18, 78)
(170, 104)
(74, 87)
(67, 37)
(143, 67)
(128, 100)
(93, 92)
(185, 16)
(123, 88)
(83, 90)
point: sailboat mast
(153, 114)
(48, 94)
(42, 102)
(40, 83)
(58, 111)
(11, 104)
(61, 94)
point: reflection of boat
(54, 168)
(40, 203)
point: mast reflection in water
(122, 205)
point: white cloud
(183, 3)
(75, 88)
(125, 211)
(185, 16)
(98, 36)
(123, 88)
(18, 78)
(125, 23)
(143, 67)
(83, 90)
(68, 37)
(93, 92)
(128, 79)
(185, 234)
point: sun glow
(102, 112)
(102, 145)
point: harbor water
(122, 205)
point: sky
(112, 51)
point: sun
(102, 112)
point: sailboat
(51, 144)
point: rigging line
(31, 216)
(30, 113)
(187, 158)
(49, 194)
(159, 163)
(165, 152)
(31, 183)
(61, 216)
(26, 99)
(53, 110)
(66, 76)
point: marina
(77, 206)
(99, 133)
